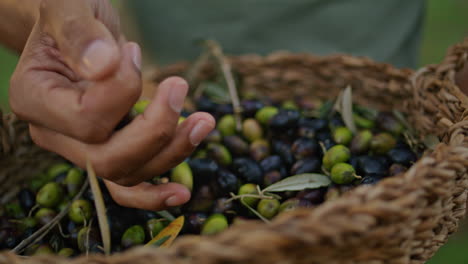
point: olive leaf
(172, 230)
(299, 182)
(347, 109)
(159, 242)
(100, 208)
(166, 215)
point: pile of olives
(275, 141)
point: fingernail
(97, 57)
(199, 132)
(172, 201)
(177, 96)
(136, 56)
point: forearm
(16, 21)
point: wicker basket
(403, 219)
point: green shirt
(385, 30)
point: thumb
(84, 42)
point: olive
(226, 182)
(388, 122)
(224, 109)
(284, 119)
(271, 163)
(226, 207)
(26, 199)
(284, 151)
(202, 200)
(194, 222)
(396, 169)
(181, 120)
(251, 130)
(200, 154)
(43, 250)
(37, 182)
(57, 169)
(343, 173)
(371, 166)
(236, 145)
(259, 149)
(382, 143)
(363, 122)
(361, 142)
(214, 224)
(305, 147)
(80, 211)
(119, 219)
(249, 188)
(265, 114)
(56, 241)
(342, 135)
(26, 223)
(306, 132)
(219, 153)
(271, 177)
(227, 125)
(315, 196)
(250, 107)
(248, 170)
(88, 240)
(204, 104)
(404, 156)
(140, 106)
(334, 155)
(335, 122)
(268, 208)
(154, 226)
(133, 236)
(14, 210)
(289, 205)
(182, 174)
(370, 180)
(213, 137)
(289, 104)
(204, 170)
(74, 180)
(49, 195)
(313, 123)
(66, 252)
(306, 165)
(44, 216)
(61, 177)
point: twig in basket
(217, 52)
(45, 229)
(100, 208)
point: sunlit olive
(236, 145)
(50, 195)
(80, 211)
(382, 143)
(154, 226)
(259, 149)
(251, 129)
(66, 252)
(214, 224)
(334, 155)
(74, 180)
(268, 208)
(182, 174)
(227, 125)
(343, 173)
(133, 236)
(361, 142)
(219, 153)
(342, 135)
(265, 114)
(44, 215)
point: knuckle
(163, 134)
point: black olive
(206, 105)
(236, 145)
(313, 123)
(194, 223)
(60, 178)
(371, 180)
(315, 196)
(402, 156)
(226, 182)
(284, 151)
(284, 119)
(201, 201)
(305, 147)
(248, 170)
(27, 199)
(271, 177)
(204, 170)
(371, 166)
(271, 163)
(224, 109)
(306, 165)
(250, 107)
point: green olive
(268, 208)
(227, 125)
(88, 239)
(342, 135)
(50, 195)
(289, 205)
(37, 182)
(363, 122)
(66, 252)
(154, 226)
(252, 130)
(80, 211)
(214, 224)
(289, 104)
(334, 155)
(219, 153)
(265, 114)
(134, 235)
(182, 174)
(343, 173)
(57, 169)
(361, 142)
(140, 106)
(249, 188)
(26, 223)
(181, 120)
(74, 180)
(43, 250)
(382, 143)
(44, 215)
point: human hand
(77, 78)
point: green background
(446, 24)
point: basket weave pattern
(403, 219)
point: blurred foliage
(446, 24)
